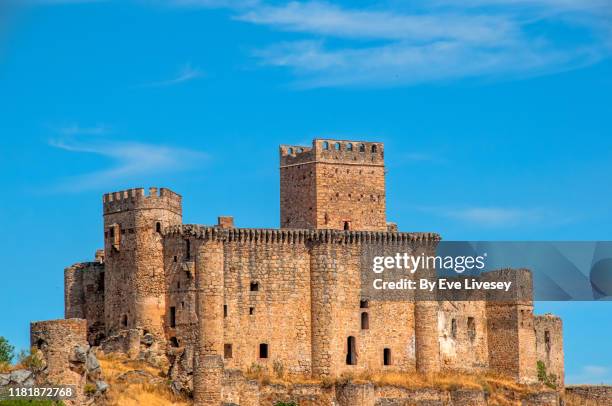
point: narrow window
(347, 225)
(224, 310)
(124, 320)
(254, 286)
(158, 227)
(227, 351)
(361, 148)
(174, 342)
(337, 146)
(112, 232)
(187, 250)
(101, 282)
(365, 321)
(387, 356)
(351, 353)
(374, 149)
(263, 350)
(349, 147)
(182, 305)
(471, 328)
(547, 342)
(364, 304)
(290, 151)
(325, 145)
(175, 258)
(172, 316)
(178, 284)
(454, 328)
(251, 311)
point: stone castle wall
(84, 297)
(549, 345)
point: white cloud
(185, 74)
(130, 161)
(496, 38)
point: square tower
(335, 184)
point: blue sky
(496, 117)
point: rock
(92, 364)
(79, 354)
(148, 339)
(4, 379)
(101, 386)
(29, 382)
(19, 376)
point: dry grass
(149, 392)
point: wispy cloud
(489, 216)
(185, 74)
(433, 41)
(74, 129)
(129, 161)
(591, 374)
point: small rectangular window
(251, 311)
(363, 304)
(227, 351)
(387, 356)
(263, 350)
(254, 286)
(224, 310)
(454, 328)
(172, 316)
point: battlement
(346, 152)
(135, 199)
(289, 236)
(521, 291)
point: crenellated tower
(333, 185)
(134, 264)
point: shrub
(285, 404)
(279, 369)
(547, 379)
(32, 360)
(7, 351)
(90, 389)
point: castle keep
(216, 299)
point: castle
(214, 299)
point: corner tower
(134, 277)
(335, 184)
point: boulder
(19, 376)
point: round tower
(134, 278)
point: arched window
(374, 149)
(325, 145)
(337, 146)
(361, 147)
(290, 151)
(365, 321)
(349, 147)
(351, 352)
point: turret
(333, 185)
(134, 277)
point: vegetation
(7, 351)
(547, 379)
(31, 403)
(32, 360)
(154, 392)
(285, 404)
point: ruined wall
(134, 277)
(462, 329)
(549, 345)
(84, 297)
(333, 185)
(57, 339)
